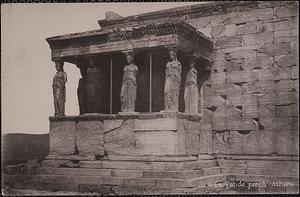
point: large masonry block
(283, 12)
(257, 39)
(155, 142)
(62, 137)
(89, 137)
(119, 139)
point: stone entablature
(168, 34)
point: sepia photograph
(150, 98)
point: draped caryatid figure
(59, 89)
(172, 83)
(191, 94)
(81, 90)
(93, 88)
(129, 86)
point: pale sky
(26, 66)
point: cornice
(199, 10)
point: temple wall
(251, 99)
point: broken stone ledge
(141, 116)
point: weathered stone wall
(125, 135)
(251, 98)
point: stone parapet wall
(104, 136)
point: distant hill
(20, 147)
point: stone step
(73, 180)
(149, 186)
(183, 174)
(260, 171)
(211, 171)
(90, 172)
(265, 178)
(130, 165)
(259, 163)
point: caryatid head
(193, 63)
(129, 58)
(59, 65)
(172, 55)
(92, 62)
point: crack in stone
(256, 68)
(212, 108)
(287, 104)
(112, 141)
(223, 22)
(244, 132)
(227, 57)
(220, 131)
(239, 107)
(257, 122)
(238, 24)
(239, 83)
(259, 94)
(76, 151)
(260, 126)
(275, 11)
(207, 24)
(223, 97)
(243, 42)
(229, 100)
(114, 128)
(276, 81)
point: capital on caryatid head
(192, 58)
(129, 54)
(59, 65)
(173, 48)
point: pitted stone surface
(89, 137)
(62, 137)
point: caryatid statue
(81, 90)
(93, 88)
(59, 89)
(191, 94)
(172, 83)
(129, 85)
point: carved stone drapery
(81, 90)
(59, 89)
(129, 84)
(93, 88)
(191, 91)
(172, 83)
